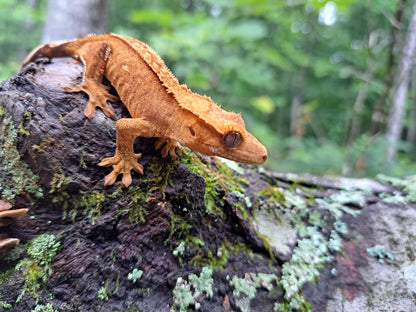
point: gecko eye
(232, 139)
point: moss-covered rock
(193, 233)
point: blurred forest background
(327, 86)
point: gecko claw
(121, 166)
(110, 178)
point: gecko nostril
(192, 131)
(264, 157)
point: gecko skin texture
(159, 106)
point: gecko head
(226, 136)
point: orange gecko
(158, 104)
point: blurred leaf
(264, 104)
(199, 80)
(163, 18)
(247, 30)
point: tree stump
(196, 233)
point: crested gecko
(159, 106)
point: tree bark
(296, 127)
(67, 20)
(411, 129)
(394, 126)
(378, 115)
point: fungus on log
(7, 216)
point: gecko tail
(53, 49)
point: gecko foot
(121, 165)
(169, 148)
(98, 97)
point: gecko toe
(138, 168)
(108, 111)
(106, 162)
(89, 111)
(126, 180)
(110, 178)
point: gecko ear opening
(232, 139)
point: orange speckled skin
(159, 105)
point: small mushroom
(7, 216)
(4, 205)
(7, 243)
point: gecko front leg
(124, 160)
(169, 147)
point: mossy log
(194, 233)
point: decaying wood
(136, 248)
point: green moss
(219, 259)
(137, 196)
(44, 308)
(5, 305)
(40, 148)
(82, 163)
(26, 117)
(209, 259)
(179, 228)
(222, 176)
(102, 293)
(273, 194)
(89, 203)
(37, 267)
(92, 203)
(161, 170)
(5, 275)
(18, 178)
(59, 185)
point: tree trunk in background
(402, 80)
(411, 130)
(296, 128)
(67, 20)
(378, 116)
(358, 110)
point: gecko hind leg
(98, 97)
(95, 59)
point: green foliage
(44, 308)
(42, 248)
(5, 305)
(37, 266)
(16, 19)
(102, 293)
(92, 203)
